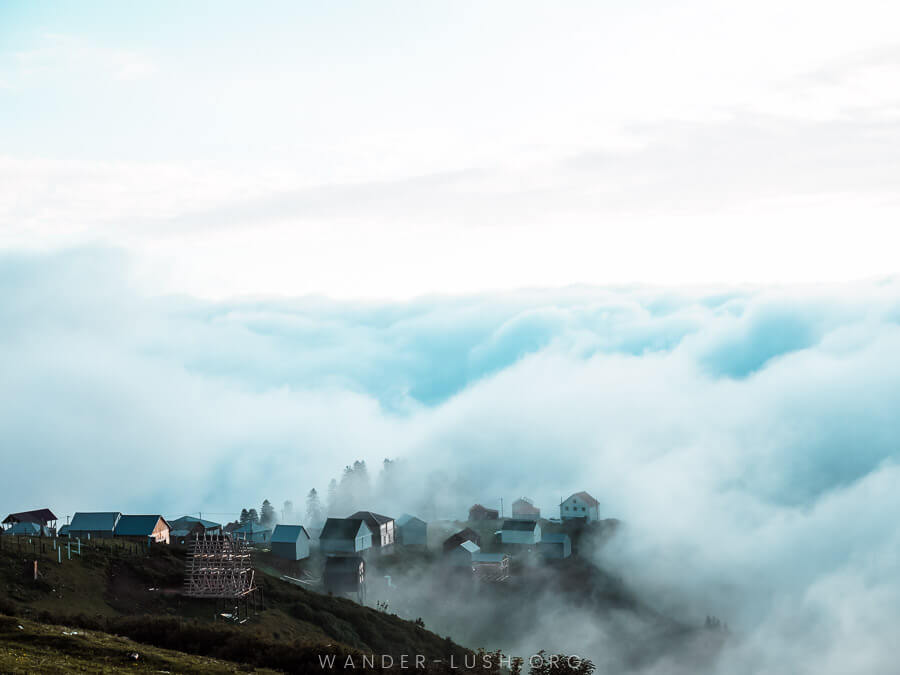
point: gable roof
(406, 518)
(94, 521)
(63, 531)
(470, 546)
(523, 525)
(251, 528)
(372, 518)
(523, 505)
(185, 520)
(138, 526)
(39, 516)
(467, 534)
(288, 534)
(554, 538)
(590, 501)
(342, 528)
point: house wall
(413, 533)
(298, 550)
(575, 507)
(459, 557)
(161, 533)
(520, 536)
(555, 549)
(92, 534)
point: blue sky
(645, 249)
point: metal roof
(39, 516)
(470, 546)
(95, 521)
(372, 518)
(288, 534)
(488, 557)
(590, 501)
(207, 524)
(554, 538)
(138, 526)
(251, 528)
(342, 528)
(406, 518)
(523, 525)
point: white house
(382, 528)
(411, 531)
(520, 532)
(580, 505)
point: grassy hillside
(134, 593)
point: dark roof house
(479, 512)
(345, 536)
(39, 516)
(455, 540)
(143, 527)
(382, 528)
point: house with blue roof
(94, 525)
(411, 531)
(253, 533)
(290, 542)
(142, 528)
(188, 523)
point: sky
(642, 249)
(393, 150)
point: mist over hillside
(746, 437)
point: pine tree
(287, 511)
(253, 516)
(245, 517)
(332, 497)
(267, 514)
(313, 509)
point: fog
(746, 437)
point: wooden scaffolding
(221, 567)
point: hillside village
(332, 556)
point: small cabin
(411, 531)
(253, 533)
(43, 517)
(555, 545)
(344, 574)
(186, 533)
(527, 532)
(342, 536)
(524, 509)
(455, 540)
(143, 528)
(94, 525)
(188, 523)
(382, 527)
(479, 512)
(461, 555)
(28, 529)
(580, 506)
(290, 542)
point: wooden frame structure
(221, 567)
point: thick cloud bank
(748, 438)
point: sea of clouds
(747, 437)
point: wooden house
(455, 540)
(382, 528)
(479, 512)
(290, 542)
(523, 509)
(527, 532)
(461, 554)
(555, 545)
(94, 525)
(411, 531)
(253, 533)
(345, 574)
(582, 506)
(188, 522)
(43, 517)
(345, 536)
(186, 533)
(143, 528)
